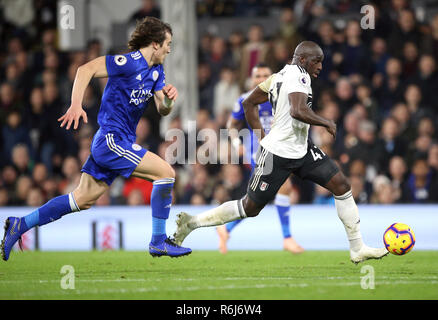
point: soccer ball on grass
(399, 239)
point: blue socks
(51, 211)
(231, 225)
(161, 200)
(282, 203)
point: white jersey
(288, 136)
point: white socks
(226, 212)
(349, 215)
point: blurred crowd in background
(379, 85)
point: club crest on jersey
(120, 60)
(264, 186)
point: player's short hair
(148, 30)
(262, 65)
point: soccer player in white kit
(287, 149)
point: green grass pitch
(252, 275)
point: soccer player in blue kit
(133, 79)
(237, 121)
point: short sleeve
(119, 65)
(297, 82)
(265, 85)
(238, 111)
(161, 81)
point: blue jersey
(131, 83)
(250, 142)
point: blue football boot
(168, 248)
(14, 228)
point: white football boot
(366, 253)
(183, 227)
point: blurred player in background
(237, 121)
(287, 149)
(133, 79)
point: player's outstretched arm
(251, 107)
(165, 99)
(300, 111)
(94, 68)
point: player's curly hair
(148, 30)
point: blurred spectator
(13, 133)
(35, 198)
(360, 195)
(426, 127)
(325, 39)
(419, 181)
(200, 183)
(414, 102)
(232, 179)
(392, 143)
(72, 174)
(148, 8)
(133, 185)
(432, 161)
(410, 59)
(406, 30)
(379, 56)
(236, 40)
(9, 177)
(4, 197)
(226, 92)
(344, 94)
(205, 87)
(427, 80)
(366, 149)
(8, 100)
(397, 173)
(21, 159)
(287, 31)
(135, 198)
(383, 191)
(355, 55)
(364, 95)
(23, 186)
(431, 41)
(144, 136)
(400, 112)
(197, 200)
(219, 57)
(39, 174)
(254, 51)
(389, 88)
(278, 56)
(220, 195)
(348, 133)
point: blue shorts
(112, 156)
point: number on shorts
(316, 155)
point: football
(399, 239)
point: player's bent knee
(167, 173)
(342, 187)
(84, 202)
(250, 207)
(172, 173)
